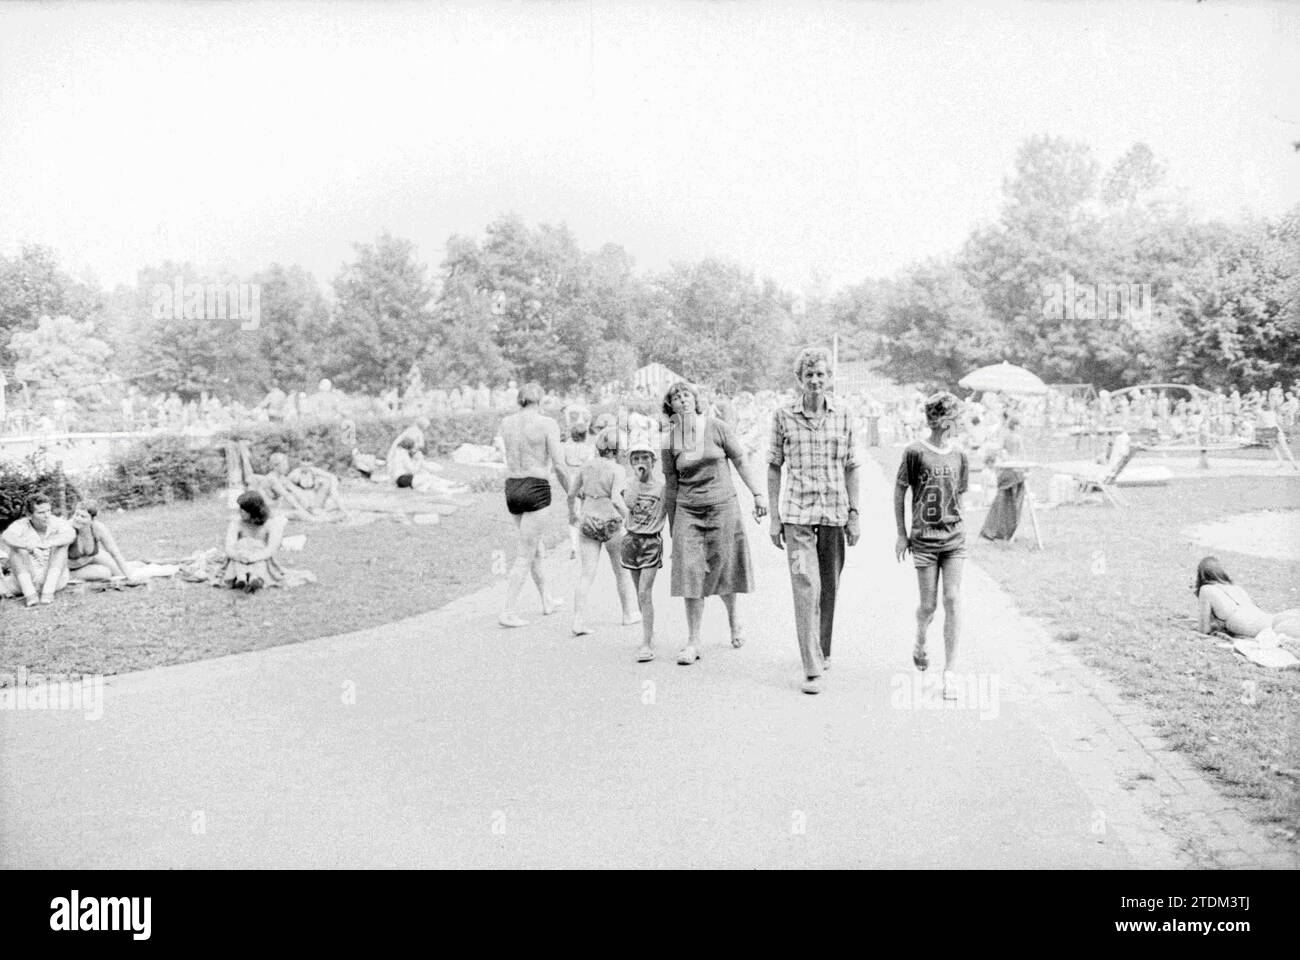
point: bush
(160, 469)
(22, 479)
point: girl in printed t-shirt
(936, 473)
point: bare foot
(511, 620)
(629, 620)
(580, 630)
(550, 606)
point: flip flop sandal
(737, 640)
(644, 655)
(688, 656)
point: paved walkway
(446, 741)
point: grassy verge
(369, 575)
(1113, 584)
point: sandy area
(1266, 533)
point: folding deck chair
(1106, 483)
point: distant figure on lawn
(252, 541)
(316, 487)
(937, 473)
(281, 492)
(415, 433)
(94, 554)
(38, 553)
(532, 447)
(1227, 608)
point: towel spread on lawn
(205, 566)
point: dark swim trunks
(526, 494)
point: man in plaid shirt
(818, 511)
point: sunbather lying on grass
(1226, 607)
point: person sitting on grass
(252, 541)
(318, 489)
(414, 433)
(1225, 607)
(937, 473)
(599, 490)
(94, 554)
(276, 489)
(401, 463)
(643, 543)
(38, 553)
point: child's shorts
(928, 556)
(599, 530)
(643, 551)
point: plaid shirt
(817, 452)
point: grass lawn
(368, 575)
(1113, 583)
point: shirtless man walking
(532, 446)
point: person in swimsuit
(577, 451)
(94, 555)
(318, 488)
(275, 488)
(599, 488)
(252, 541)
(1226, 607)
(532, 448)
(415, 449)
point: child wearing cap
(601, 516)
(643, 545)
(936, 472)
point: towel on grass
(205, 566)
(1268, 649)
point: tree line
(1214, 303)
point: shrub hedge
(21, 479)
(158, 469)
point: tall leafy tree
(33, 285)
(384, 320)
(714, 321)
(62, 359)
(1238, 313)
(186, 351)
(292, 336)
(934, 327)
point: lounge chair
(1104, 480)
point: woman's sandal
(738, 640)
(688, 656)
(920, 660)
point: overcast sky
(839, 139)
